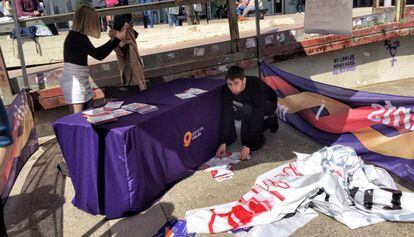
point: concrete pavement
(39, 204)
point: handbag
(111, 3)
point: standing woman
(75, 77)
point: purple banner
(24, 145)
(378, 126)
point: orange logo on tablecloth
(188, 136)
(191, 136)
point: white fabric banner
(333, 180)
(328, 17)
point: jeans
(172, 19)
(247, 9)
(147, 15)
(240, 9)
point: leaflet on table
(101, 119)
(190, 93)
(148, 109)
(100, 115)
(195, 91)
(112, 105)
(95, 112)
(121, 112)
(185, 95)
(140, 108)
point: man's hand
(36, 13)
(244, 153)
(221, 151)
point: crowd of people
(174, 16)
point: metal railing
(234, 33)
(17, 23)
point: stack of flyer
(113, 105)
(110, 112)
(190, 93)
(98, 116)
(140, 108)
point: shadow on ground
(37, 210)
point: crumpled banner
(379, 127)
(282, 228)
(333, 180)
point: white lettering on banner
(281, 111)
(319, 112)
(390, 115)
(256, 200)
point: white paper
(195, 91)
(185, 95)
(120, 112)
(328, 17)
(113, 105)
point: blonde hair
(86, 21)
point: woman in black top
(75, 78)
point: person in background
(103, 21)
(172, 14)
(147, 15)
(241, 6)
(249, 7)
(6, 6)
(33, 8)
(254, 100)
(6, 139)
(28, 8)
(197, 9)
(74, 81)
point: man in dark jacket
(254, 100)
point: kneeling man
(251, 99)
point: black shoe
(271, 123)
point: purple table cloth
(123, 167)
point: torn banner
(334, 180)
(379, 127)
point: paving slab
(144, 224)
